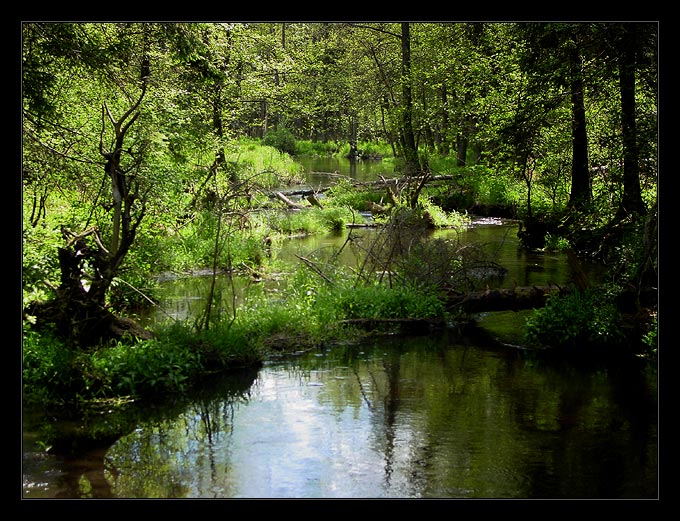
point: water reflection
(420, 417)
(318, 168)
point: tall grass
(264, 165)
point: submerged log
(506, 299)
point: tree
(553, 55)
(581, 194)
(410, 151)
(628, 38)
(88, 266)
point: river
(433, 416)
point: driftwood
(314, 201)
(291, 204)
(506, 299)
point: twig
(315, 268)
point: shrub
(49, 370)
(577, 318)
(148, 367)
(282, 139)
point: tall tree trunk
(354, 129)
(462, 146)
(412, 165)
(444, 139)
(631, 201)
(580, 175)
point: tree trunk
(78, 316)
(290, 204)
(444, 145)
(631, 201)
(461, 148)
(580, 174)
(354, 128)
(412, 164)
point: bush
(49, 371)
(149, 367)
(588, 317)
(282, 139)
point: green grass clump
(310, 220)
(379, 301)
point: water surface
(398, 417)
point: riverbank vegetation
(180, 154)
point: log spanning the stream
(389, 181)
(505, 299)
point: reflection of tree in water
(133, 451)
(385, 387)
(391, 406)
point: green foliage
(143, 368)
(282, 139)
(379, 301)
(494, 189)
(305, 147)
(310, 221)
(344, 194)
(555, 242)
(369, 150)
(434, 214)
(194, 246)
(579, 318)
(651, 337)
(49, 369)
(477, 186)
(39, 263)
(262, 164)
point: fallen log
(291, 204)
(379, 184)
(505, 299)
(314, 201)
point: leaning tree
(88, 263)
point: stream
(430, 416)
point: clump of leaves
(579, 318)
(282, 139)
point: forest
(151, 148)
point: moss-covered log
(505, 299)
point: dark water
(400, 417)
